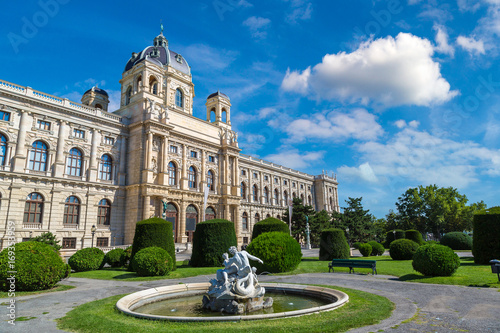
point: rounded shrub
(356, 245)
(333, 245)
(365, 249)
(38, 266)
(400, 234)
(457, 241)
(115, 258)
(154, 232)
(415, 236)
(486, 227)
(87, 259)
(280, 252)
(377, 248)
(128, 254)
(435, 260)
(268, 225)
(152, 261)
(403, 249)
(210, 240)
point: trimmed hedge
(377, 248)
(415, 236)
(333, 245)
(403, 249)
(435, 260)
(389, 238)
(365, 249)
(115, 258)
(457, 241)
(280, 252)
(154, 232)
(400, 234)
(356, 245)
(486, 244)
(210, 240)
(87, 259)
(152, 261)
(38, 266)
(270, 224)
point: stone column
(203, 169)
(146, 207)
(163, 177)
(122, 176)
(63, 134)
(182, 223)
(261, 194)
(96, 138)
(20, 157)
(184, 180)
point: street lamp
(308, 234)
(93, 229)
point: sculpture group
(236, 289)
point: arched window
(266, 195)
(278, 217)
(139, 83)
(3, 149)
(153, 85)
(294, 195)
(128, 95)
(71, 210)
(98, 106)
(179, 98)
(33, 209)
(172, 174)
(192, 177)
(243, 190)
(74, 163)
(276, 197)
(285, 198)
(209, 213)
(191, 221)
(309, 200)
(224, 115)
(331, 203)
(268, 215)
(105, 167)
(302, 198)
(210, 180)
(244, 221)
(104, 212)
(257, 217)
(255, 194)
(38, 156)
(213, 116)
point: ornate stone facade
(65, 166)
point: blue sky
(385, 94)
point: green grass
(182, 271)
(58, 287)
(101, 316)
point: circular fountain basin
(331, 299)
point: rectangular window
(266, 178)
(173, 149)
(301, 186)
(194, 154)
(4, 116)
(293, 185)
(109, 141)
(211, 159)
(102, 242)
(255, 175)
(26, 239)
(243, 173)
(44, 125)
(285, 182)
(78, 133)
(245, 240)
(69, 243)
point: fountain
(235, 294)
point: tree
(319, 222)
(299, 213)
(436, 209)
(48, 238)
(354, 217)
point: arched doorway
(171, 215)
(209, 213)
(191, 221)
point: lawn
(58, 287)
(101, 316)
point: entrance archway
(191, 221)
(171, 214)
(209, 213)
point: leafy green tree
(48, 238)
(299, 213)
(436, 209)
(357, 219)
(319, 222)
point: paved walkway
(438, 308)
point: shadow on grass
(413, 277)
(126, 276)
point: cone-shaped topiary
(152, 261)
(87, 259)
(365, 249)
(38, 266)
(435, 260)
(154, 232)
(280, 252)
(415, 236)
(115, 258)
(333, 245)
(210, 240)
(268, 225)
(486, 244)
(403, 249)
(389, 238)
(457, 241)
(377, 248)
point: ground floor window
(69, 243)
(245, 240)
(102, 242)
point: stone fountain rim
(126, 303)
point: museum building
(80, 171)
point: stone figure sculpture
(236, 288)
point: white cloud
(295, 159)
(400, 123)
(413, 2)
(300, 10)
(442, 41)
(338, 126)
(388, 71)
(471, 44)
(257, 26)
(414, 123)
(468, 5)
(203, 57)
(364, 172)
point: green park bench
(353, 264)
